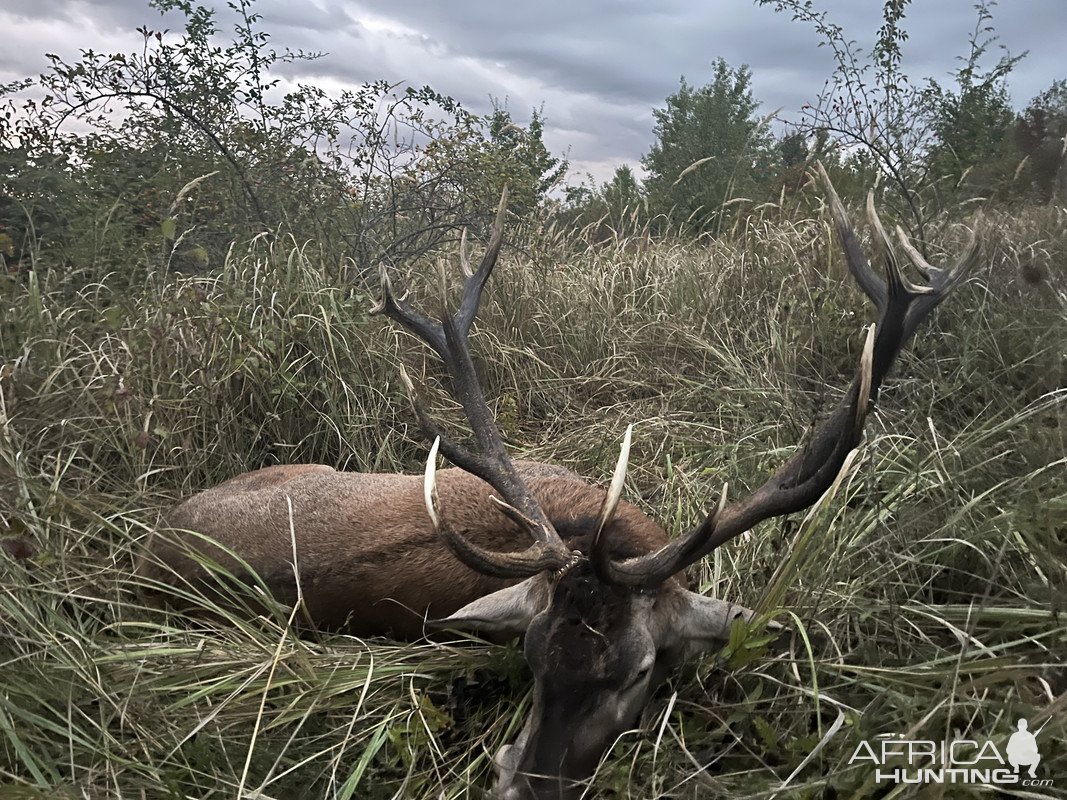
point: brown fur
(369, 560)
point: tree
(623, 198)
(792, 154)
(709, 147)
(606, 210)
(192, 143)
(971, 127)
(1041, 134)
(793, 149)
(868, 107)
(971, 123)
(532, 171)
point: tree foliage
(710, 149)
(907, 134)
(1041, 136)
(616, 208)
(532, 170)
(971, 123)
(869, 107)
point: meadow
(928, 593)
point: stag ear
(701, 622)
(508, 611)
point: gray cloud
(597, 66)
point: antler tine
(810, 472)
(487, 562)
(600, 556)
(464, 258)
(398, 310)
(491, 463)
(943, 281)
(880, 290)
(472, 288)
(870, 281)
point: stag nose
(514, 785)
(507, 787)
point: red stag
(599, 594)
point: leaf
(766, 734)
(197, 256)
(169, 228)
(112, 318)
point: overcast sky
(597, 67)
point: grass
(930, 587)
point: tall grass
(930, 588)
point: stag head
(602, 624)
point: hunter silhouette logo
(896, 759)
(1022, 749)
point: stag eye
(642, 673)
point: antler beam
(449, 339)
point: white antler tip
(410, 386)
(618, 480)
(866, 367)
(429, 484)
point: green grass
(931, 586)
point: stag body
(368, 558)
(597, 593)
(371, 563)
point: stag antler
(491, 463)
(809, 473)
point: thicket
(185, 293)
(192, 146)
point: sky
(597, 68)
